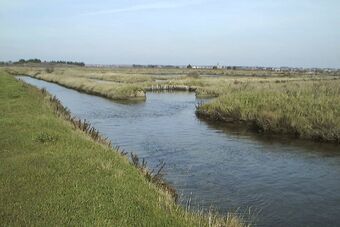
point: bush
(193, 74)
(49, 69)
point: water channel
(285, 182)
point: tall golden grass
(309, 109)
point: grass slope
(52, 174)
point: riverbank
(308, 110)
(54, 174)
(300, 105)
(132, 83)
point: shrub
(193, 74)
(49, 69)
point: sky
(303, 33)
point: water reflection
(323, 149)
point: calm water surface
(291, 183)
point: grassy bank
(125, 83)
(114, 91)
(300, 104)
(308, 109)
(91, 85)
(53, 173)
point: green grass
(54, 174)
(309, 109)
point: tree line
(38, 61)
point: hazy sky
(243, 32)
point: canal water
(283, 182)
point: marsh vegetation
(300, 104)
(308, 109)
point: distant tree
(67, 63)
(38, 61)
(35, 60)
(189, 67)
(214, 67)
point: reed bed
(309, 110)
(125, 83)
(114, 91)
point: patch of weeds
(193, 74)
(14, 95)
(44, 137)
(49, 69)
